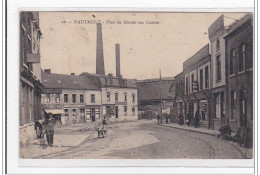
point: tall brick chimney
(100, 68)
(118, 60)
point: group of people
(47, 127)
(190, 119)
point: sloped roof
(151, 91)
(61, 81)
(111, 81)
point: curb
(58, 152)
(201, 132)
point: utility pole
(161, 93)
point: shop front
(198, 102)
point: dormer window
(217, 45)
(59, 81)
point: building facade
(118, 97)
(150, 92)
(77, 98)
(239, 73)
(197, 81)
(216, 36)
(30, 75)
(178, 105)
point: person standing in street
(50, 129)
(196, 119)
(158, 117)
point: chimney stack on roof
(47, 71)
(118, 74)
(100, 68)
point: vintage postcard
(136, 85)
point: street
(147, 140)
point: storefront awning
(54, 111)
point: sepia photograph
(136, 85)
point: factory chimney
(118, 60)
(100, 68)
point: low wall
(27, 133)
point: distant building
(119, 96)
(150, 92)
(197, 92)
(30, 75)
(239, 73)
(75, 97)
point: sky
(160, 41)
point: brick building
(30, 86)
(75, 97)
(197, 96)
(239, 73)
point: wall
(214, 54)
(121, 103)
(241, 80)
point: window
(125, 110)
(125, 95)
(92, 98)
(233, 105)
(187, 85)
(81, 98)
(192, 81)
(116, 97)
(108, 96)
(206, 77)
(66, 111)
(47, 98)
(73, 98)
(201, 79)
(57, 98)
(133, 110)
(218, 68)
(66, 98)
(232, 61)
(74, 112)
(133, 97)
(251, 54)
(217, 45)
(242, 57)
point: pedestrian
(181, 119)
(50, 129)
(203, 116)
(188, 119)
(158, 117)
(38, 128)
(223, 117)
(196, 119)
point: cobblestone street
(145, 139)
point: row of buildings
(218, 80)
(71, 98)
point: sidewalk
(65, 137)
(192, 128)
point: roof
(234, 26)
(61, 81)
(111, 81)
(156, 80)
(202, 53)
(151, 91)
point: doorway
(116, 111)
